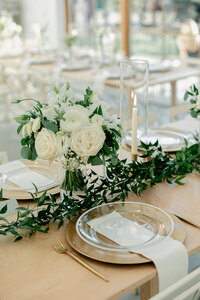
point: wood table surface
(31, 269)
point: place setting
(60, 156)
(100, 150)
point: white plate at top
(169, 140)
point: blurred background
(83, 41)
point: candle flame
(135, 100)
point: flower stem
(73, 180)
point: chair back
(187, 288)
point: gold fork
(60, 248)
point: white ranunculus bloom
(49, 113)
(87, 140)
(36, 124)
(52, 97)
(198, 102)
(24, 131)
(65, 92)
(97, 119)
(95, 103)
(75, 116)
(46, 144)
(27, 129)
(105, 106)
(113, 122)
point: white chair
(187, 288)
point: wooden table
(171, 76)
(30, 269)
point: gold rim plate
(111, 256)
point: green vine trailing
(122, 178)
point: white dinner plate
(17, 178)
(141, 224)
(169, 139)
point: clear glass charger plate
(40, 168)
(114, 257)
(170, 140)
(149, 225)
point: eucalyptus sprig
(122, 178)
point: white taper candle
(134, 127)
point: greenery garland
(122, 178)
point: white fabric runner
(18, 173)
(169, 256)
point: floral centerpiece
(8, 28)
(10, 35)
(79, 132)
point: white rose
(36, 124)
(87, 140)
(27, 129)
(49, 113)
(46, 144)
(97, 119)
(75, 116)
(62, 143)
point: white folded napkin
(12, 204)
(169, 256)
(25, 178)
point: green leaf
(186, 96)
(194, 113)
(4, 209)
(18, 238)
(114, 160)
(116, 132)
(22, 122)
(24, 141)
(55, 89)
(33, 153)
(42, 199)
(95, 160)
(50, 125)
(19, 128)
(100, 111)
(60, 223)
(26, 152)
(1, 194)
(3, 232)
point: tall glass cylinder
(134, 77)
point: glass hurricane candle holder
(134, 76)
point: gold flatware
(60, 248)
